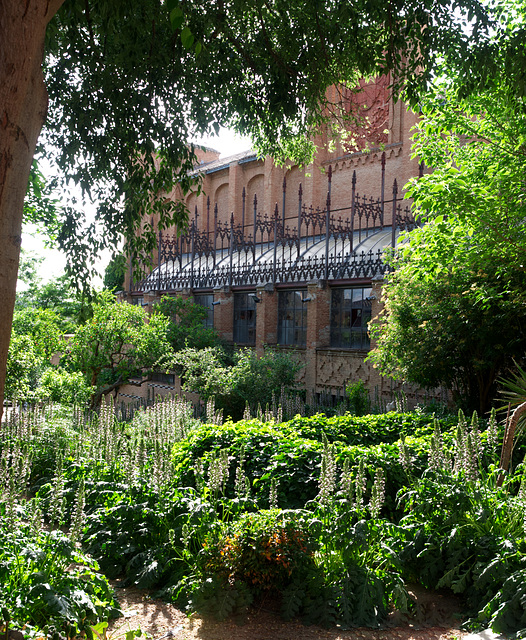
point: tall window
(350, 313)
(205, 300)
(292, 318)
(244, 319)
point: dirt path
(158, 619)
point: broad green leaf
(176, 18)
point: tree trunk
(23, 104)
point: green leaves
(116, 343)
(455, 303)
(249, 381)
(47, 581)
(333, 562)
(176, 18)
(187, 328)
(187, 38)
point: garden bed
(334, 517)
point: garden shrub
(46, 581)
(264, 551)
(358, 398)
(369, 429)
(64, 387)
(24, 367)
(282, 453)
(248, 380)
(187, 328)
(280, 552)
(455, 534)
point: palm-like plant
(514, 392)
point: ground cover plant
(333, 516)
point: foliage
(270, 449)
(64, 387)
(513, 389)
(47, 582)
(366, 430)
(56, 295)
(41, 205)
(43, 327)
(115, 272)
(476, 148)
(185, 509)
(463, 531)
(450, 324)
(455, 304)
(119, 341)
(24, 366)
(187, 327)
(36, 336)
(358, 397)
(264, 551)
(251, 381)
(27, 275)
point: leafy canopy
(131, 83)
(455, 305)
(117, 343)
(187, 323)
(477, 149)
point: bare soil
(436, 617)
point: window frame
(295, 335)
(209, 320)
(245, 318)
(348, 322)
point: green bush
(24, 367)
(290, 453)
(64, 387)
(369, 429)
(263, 551)
(187, 327)
(282, 552)
(358, 398)
(47, 582)
(250, 381)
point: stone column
(266, 318)
(224, 313)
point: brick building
(290, 256)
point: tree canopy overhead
(131, 83)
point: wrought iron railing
(314, 244)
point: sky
(227, 143)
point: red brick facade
(386, 135)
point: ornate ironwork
(310, 244)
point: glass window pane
(292, 318)
(244, 318)
(350, 314)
